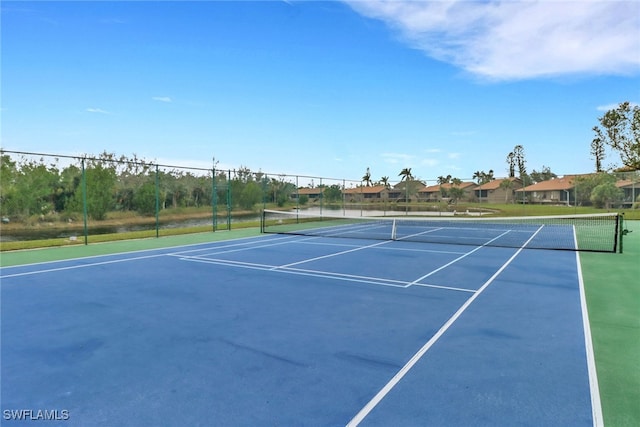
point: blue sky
(319, 88)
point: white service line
(332, 255)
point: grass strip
(613, 299)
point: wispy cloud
(98, 111)
(609, 107)
(398, 158)
(162, 99)
(514, 40)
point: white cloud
(512, 40)
(609, 107)
(429, 162)
(162, 99)
(398, 158)
(97, 110)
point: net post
(620, 231)
(262, 222)
(393, 230)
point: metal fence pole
(213, 197)
(84, 202)
(229, 200)
(157, 203)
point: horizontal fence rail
(64, 199)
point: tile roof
(628, 183)
(564, 183)
(495, 183)
(437, 187)
(365, 190)
(307, 190)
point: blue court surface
(300, 331)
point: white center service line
(415, 282)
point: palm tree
(385, 181)
(506, 185)
(444, 179)
(367, 177)
(405, 174)
(478, 175)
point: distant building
(494, 192)
(435, 193)
(371, 194)
(311, 193)
(631, 191)
(553, 191)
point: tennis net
(594, 233)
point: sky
(318, 88)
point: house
(311, 193)
(631, 189)
(496, 192)
(370, 194)
(554, 191)
(435, 193)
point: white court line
(449, 288)
(596, 404)
(268, 245)
(420, 234)
(321, 273)
(277, 239)
(333, 254)
(346, 245)
(357, 419)
(312, 273)
(459, 258)
(73, 267)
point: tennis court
(300, 329)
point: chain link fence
(81, 199)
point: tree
(455, 192)
(620, 130)
(544, 175)
(597, 148)
(144, 199)
(483, 177)
(444, 179)
(603, 195)
(385, 181)
(585, 185)
(333, 193)
(101, 181)
(250, 195)
(518, 154)
(405, 174)
(511, 161)
(506, 185)
(367, 178)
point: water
(38, 233)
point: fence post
(229, 200)
(157, 203)
(84, 202)
(214, 194)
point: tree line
(109, 183)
